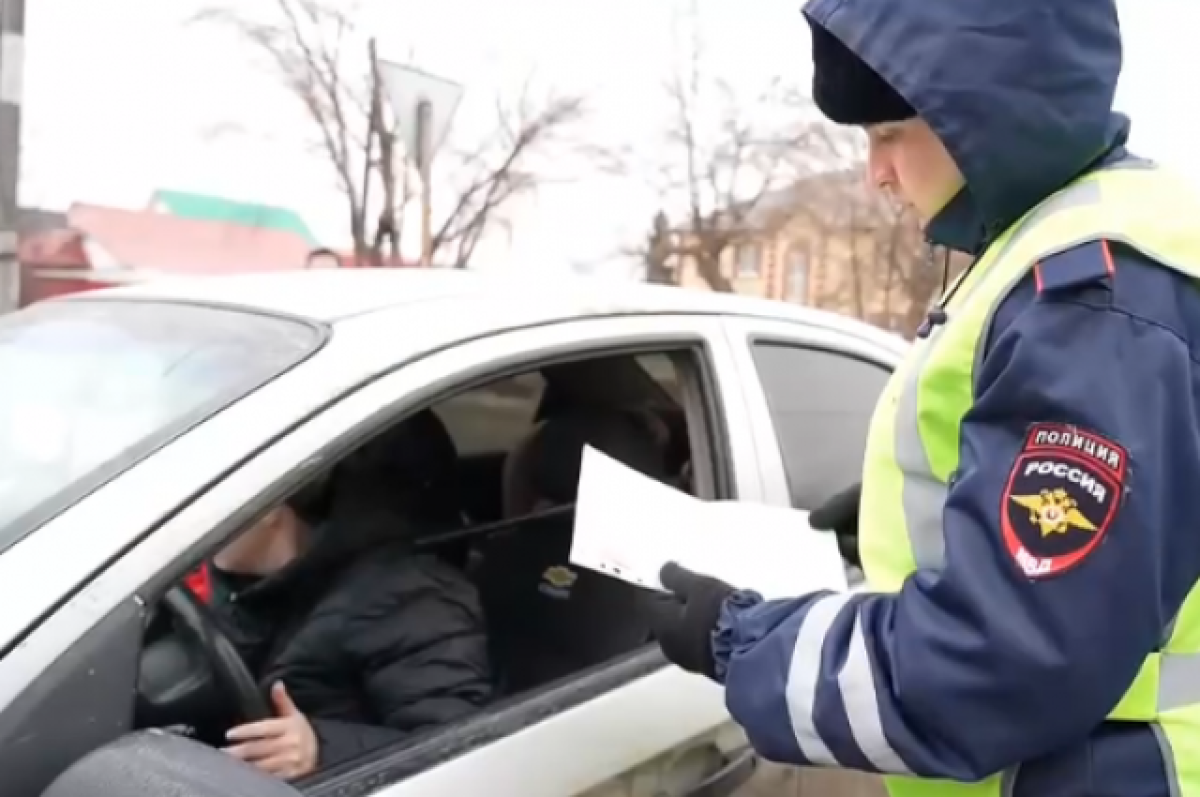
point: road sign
(408, 89)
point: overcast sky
(122, 97)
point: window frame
(456, 433)
(836, 352)
(518, 712)
(802, 253)
(754, 272)
(872, 346)
(208, 521)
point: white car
(141, 428)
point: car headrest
(546, 464)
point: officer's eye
(881, 135)
(887, 135)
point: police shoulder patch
(1061, 497)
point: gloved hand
(840, 515)
(685, 619)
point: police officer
(1030, 511)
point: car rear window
(87, 388)
(821, 403)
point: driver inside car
(360, 640)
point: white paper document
(628, 526)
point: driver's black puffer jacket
(374, 642)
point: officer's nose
(879, 172)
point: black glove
(840, 515)
(684, 621)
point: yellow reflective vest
(913, 444)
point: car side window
(821, 403)
(494, 417)
(662, 370)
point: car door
(637, 728)
(810, 392)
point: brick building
(829, 241)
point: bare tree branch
(796, 183)
(503, 169)
(728, 164)
(321, 60)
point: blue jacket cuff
(723, 633)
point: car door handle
(738, 768)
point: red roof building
(103, 246)
(93, 246)
(152, 244)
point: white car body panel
(583, 747)
(381, 319)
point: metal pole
(424, 162)
(12, 59)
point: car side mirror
(156, 763)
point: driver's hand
(285, 746)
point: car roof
(334, 295)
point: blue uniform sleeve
(1068, 553)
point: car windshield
(90, 387)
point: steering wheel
(199, 628)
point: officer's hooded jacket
(977, 667)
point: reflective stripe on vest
(912, 449)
